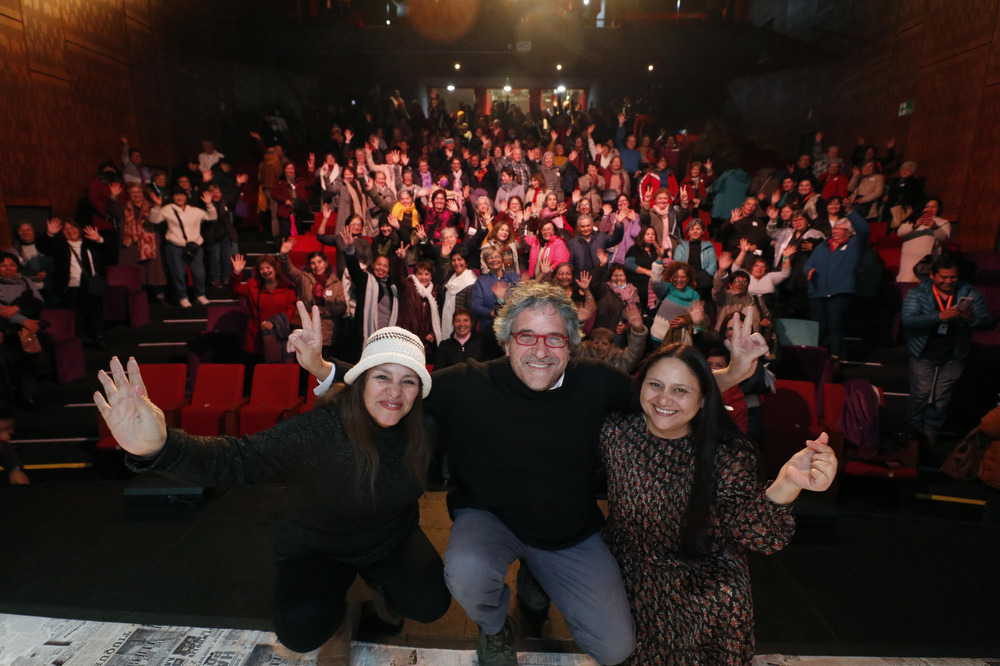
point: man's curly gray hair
(529, 295)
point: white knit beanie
(392, 344)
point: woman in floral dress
(685, 501)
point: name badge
(328, 292)
(943, 329)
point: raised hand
(577, 195)
(401, 251)
(772, 212)
(590, 129)
(242, 178)
(736, 215)
(348, 135)
(499, 289)
(573, 155)
(239, 263)
(206, 198)
(606, 209)
(708, 165)
(116, 189)
(157, 199)
(697, 311)
(602, 256)
(746, 346)
(206, 176)
(393, 221)
(286, 245)
(307, 343)
(745, 246)
(53, 226)
(554, 134)
(255, 135)
(621, 118)
(546, 266)
(136, 423)
(311, 162)
(502, 206)
(725, 261)
(789, 251)
(91, 234)
(633, 315)
(584, 280)
(775, 197)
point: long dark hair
(711, 429)
(361, 429)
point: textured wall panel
(44, 36)
(944, 123)
(98, 25)
(981, 200)
(151, 112)
(21, 170)
(59, 142)
(993, 73)
(102, 98)
(11, 9)
(955, 27)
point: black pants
(89, 311)
(310, 599)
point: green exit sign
(906, 108)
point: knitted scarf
(452, 288)
(133, 231)
(427, 293)
(370, 322)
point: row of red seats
(217, 405)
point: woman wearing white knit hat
(355, 467)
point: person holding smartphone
(939, 316)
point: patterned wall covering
(944, 55)
(78, 74)
(981, 199)
(22, 175)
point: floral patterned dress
(687, 611)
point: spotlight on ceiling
(451, 88)
(507, 88)
(651, 68)
(561, 89)
(559, 67)
(458, 65)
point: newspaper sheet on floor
(37, 641)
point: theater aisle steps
(57, 442)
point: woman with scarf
(534, 200)
(418, 302)
(547, 249)
(270, 297)
(681, 314)
(444, 212)
(457, 290)
(699, 182)
(628, 218)
(352, 200)
(140, 244)
(513, 211)
(613, 296)
(318, 286)
(376, 296)
(639, 267)
(555, 211)
(617, 179)
(509, 187)
(503, 238)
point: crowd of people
(505, 250)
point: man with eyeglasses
(522, 483)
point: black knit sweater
(328, 510)
(532, 457)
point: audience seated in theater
(681, 315)
(319, 286)
(20, 310)
(271, 299)
(33, 265)
(78, 274)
